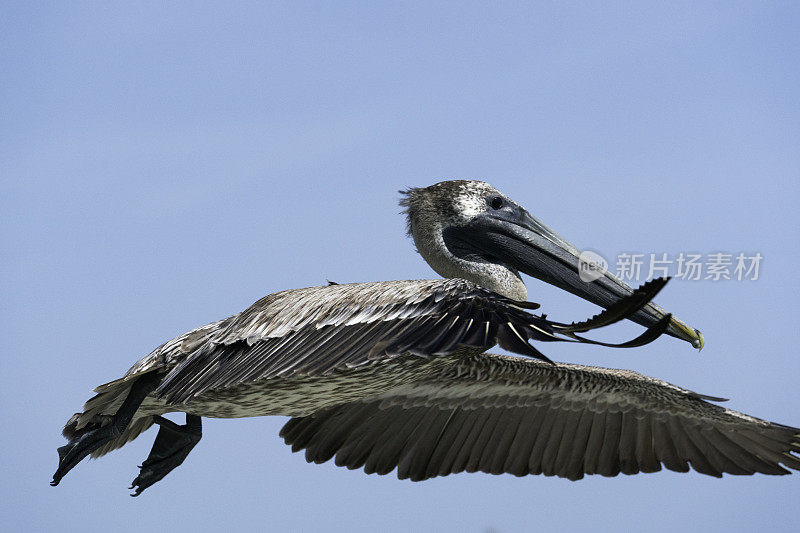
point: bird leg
(93, 436)
(173, 443)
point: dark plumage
(518, 416)
(393, 375)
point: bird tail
(97, 412)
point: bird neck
(493, 276)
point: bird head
(468, 229)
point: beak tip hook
(699, 342)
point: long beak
(526, 244)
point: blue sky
(162, 167)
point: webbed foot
(173, 443)
(95, 435)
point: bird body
(395, 374)
(209, 371)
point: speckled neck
(426, 227)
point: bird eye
(496, 202)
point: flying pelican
(394, 375)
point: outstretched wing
(315, 331)
(499, 414)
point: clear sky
(164, 167)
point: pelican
(395, 375)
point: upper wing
(317, 330)
(500, 414)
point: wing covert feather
(318, 330)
